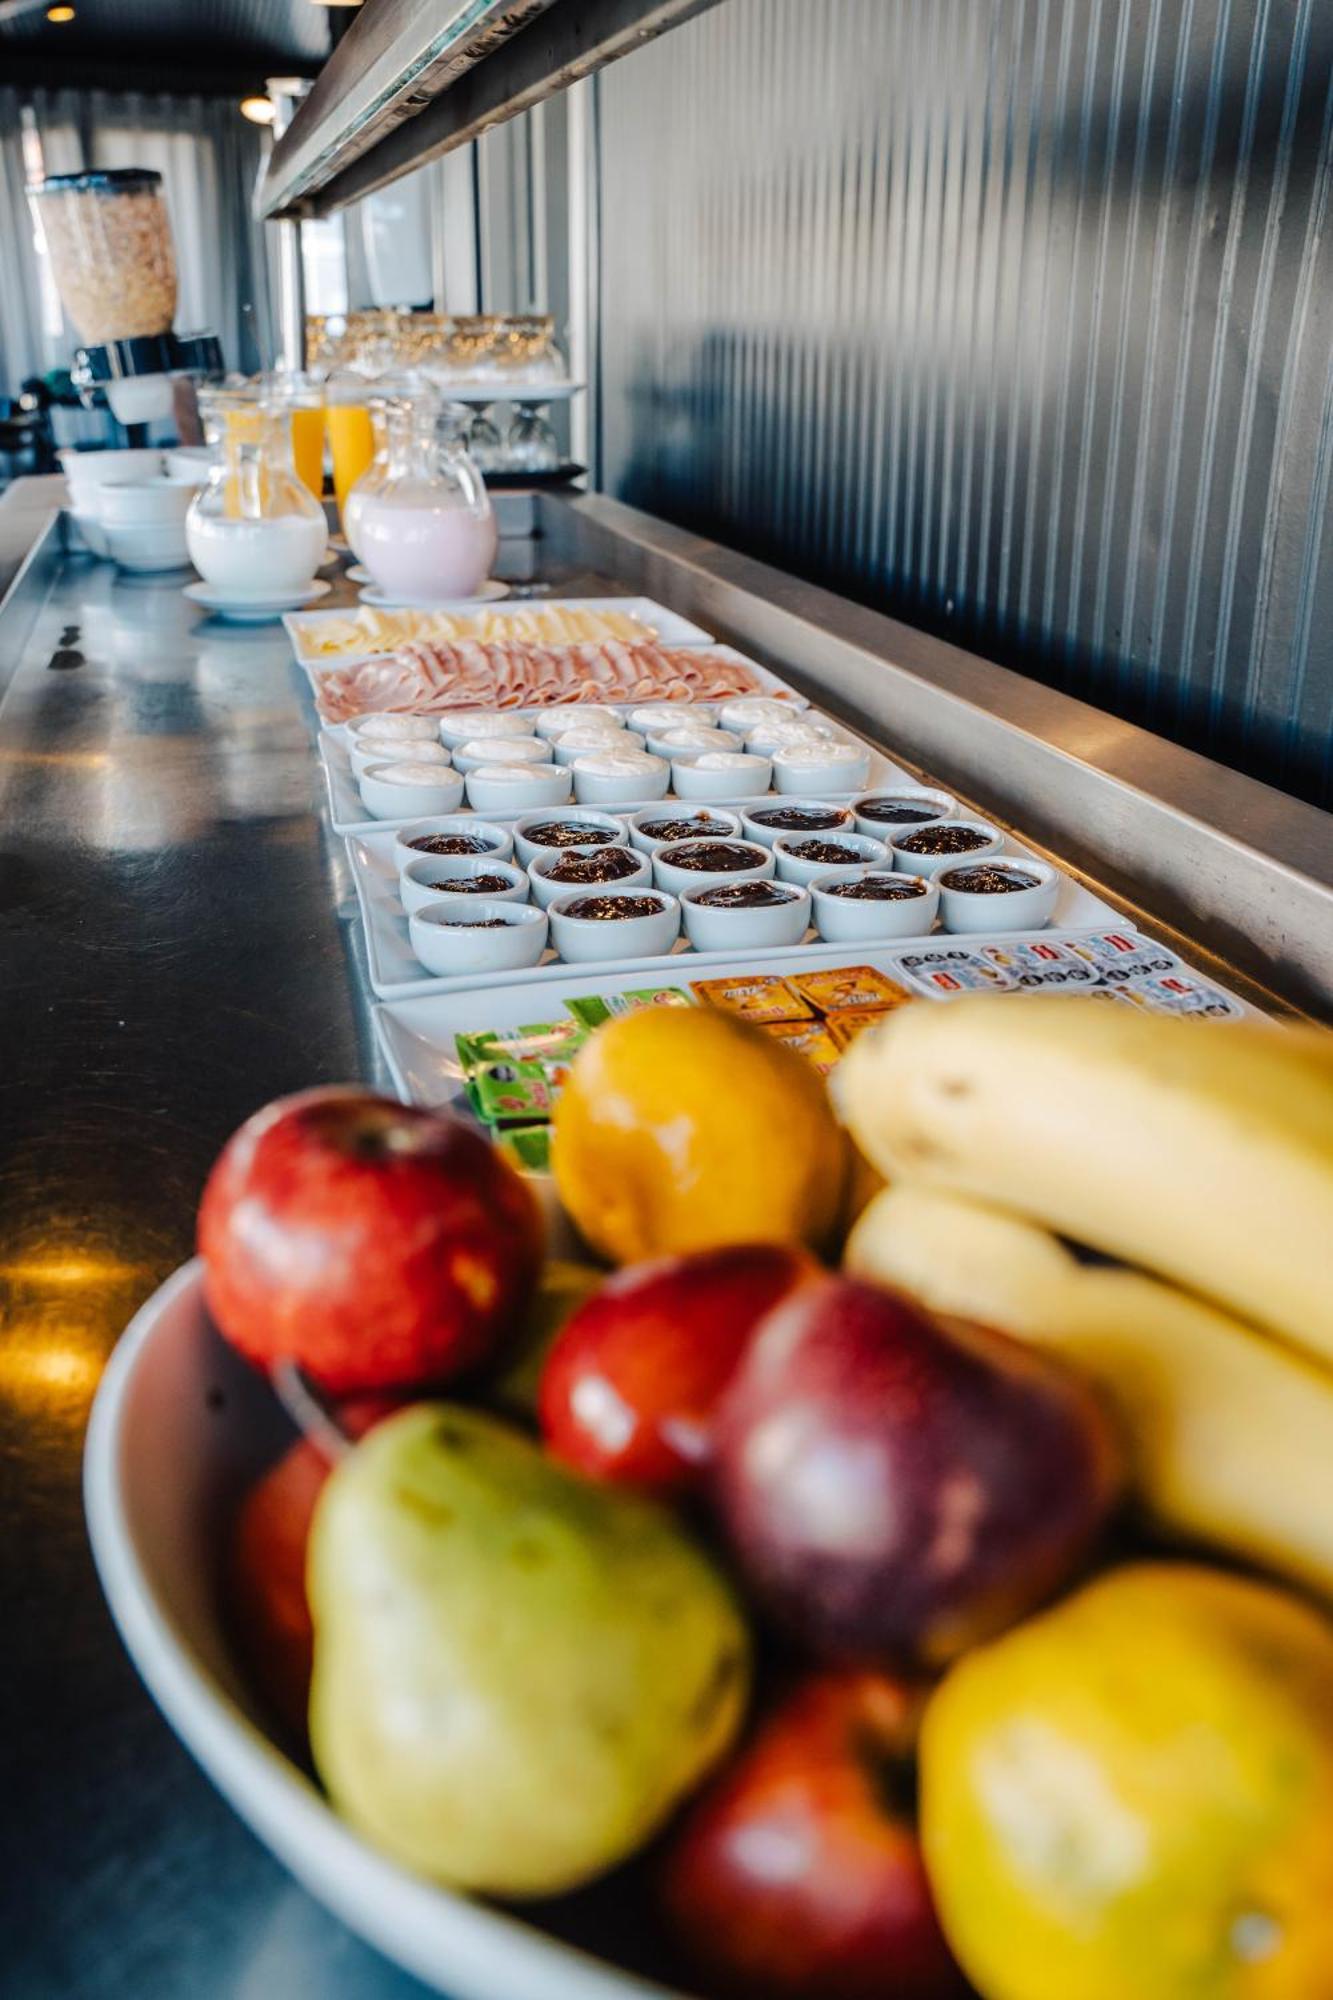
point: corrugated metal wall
(1012, 316)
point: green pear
(518, 1673)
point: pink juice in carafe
(423, 547)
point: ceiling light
(259, 110)
(60, 15)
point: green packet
(509, 1093)
(528, 1146)
(595, 1008)
(543, 1042)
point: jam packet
(810, 1039)
(846, 1026)
(849, 986)
(760, 997)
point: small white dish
(720, 774)
(468, 725)
(617, 777)
(547, 888)
(367, 750)
(652, 716)
(486, 593)
(766, 737)
(248, 607)
(409, 791)
(921, 800)
(749, 863)
(404, 728)
(818, 768)
(571, 744)
(451, 826)
(966, 910)
(554, 722)
(827, 820)
(844, 919)
(145, 503)
(747, 710)
(516, 788)
(745, 927)
(923, 862)
(580, 940)
(682, 823)
(479, 750)
(146, 550)
(529, 848)
(795, 866)
(430, 876)
(683, 738)
(457, 934)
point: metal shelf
(405, 85)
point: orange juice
(308, 445)
(352, 442)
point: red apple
(797, 1875)
(377, 1245)
(630, 1385)
(897, 1489)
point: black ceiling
(176, 45)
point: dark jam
(482, 924)
(828, 852)
(451, 843)
(879, 888)
(477, 885)
(988, 881)
(567, 833)
(803, 819)
(744, 896)
(613, 864)
(948, 839)
(896, 812)
(713, 857)
(673, 829)
(609, 909)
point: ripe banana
(1203, 1151)
(1229, 1435)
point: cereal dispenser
(108, 241)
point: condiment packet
(810, 1039)
(543, 1042)
(1041, 963)
(592, 1009)
(849, 986)
(944, 970)
(758, 996)
(1182, 993)
(1119, 955)
(528, 1147)
(847, 1025)
(510, 1093)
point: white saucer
(486, 595)
(358, 573)
(254, 607)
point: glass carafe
(255, 530)
(427, 533)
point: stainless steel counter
(176, 947)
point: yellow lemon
(680, 1128)
(1131, 1796)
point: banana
(1229, 1435)
(1203, 1151)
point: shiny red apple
(797, 1875)
(377, 1245)
(896, 1488)
(629, 1387)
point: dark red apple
(377, 1245)
(897, 1489)
(630, 1385)
(797, 1875)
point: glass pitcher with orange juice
(347, 405)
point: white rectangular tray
(670, 627)
(417, 1035)
(396, 973)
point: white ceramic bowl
(499, 841)
(363, 751)
(792, 866)
(553, 722)
(816, 770)
(161, 545)
(703, 820)
(85, 471)
(401, 728)
(919, 798)
(386, 797)
(931, 864)
(527, 849)
(863, 920)
(580, 940)
(571, 744)
(754, 865)
(720, 774)
(838, 818)
(745, 711)
(678, 739)
(517, 788)
(456, 934)
(546, 890)
(147, 503)
(481, 750)
(652, 716)
(191, 462)
(1005, 910)
(429, 877)
(463, 725)
(766, 737)
(715, 927)
(618, 778)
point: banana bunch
(1200, 1159)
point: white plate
(671, 629)
(489, 593)
(251, 608)
(178, 1427)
